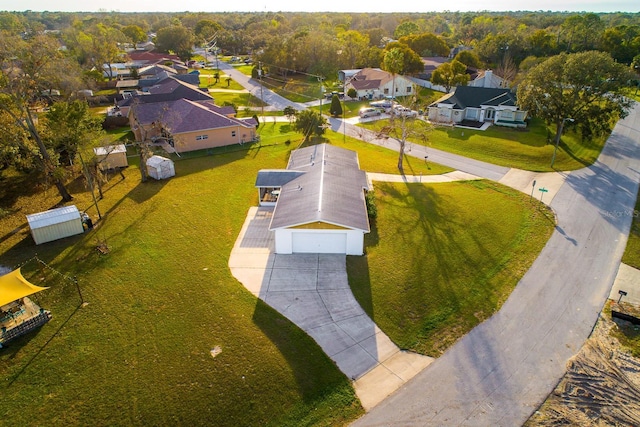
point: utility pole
(261, 93)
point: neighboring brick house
(374, 83)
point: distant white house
(374, 83)
(488, 79)
(478, 104)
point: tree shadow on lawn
(305, 357)
(435, 246)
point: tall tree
(411, 61)
(28, 68)
(96, 47)
(587, 87)
(353, 45)
(468, 58)
(68, 126)
(310, 122)
(176, 39)
(393, 62)
(336, 106)
(135, 34)
(450, 74)
(426, 44)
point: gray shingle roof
(275, 177)
(169, 89)
(330, 190)
(469, 96)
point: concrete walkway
(535, 183)
(312, 290)
(627, 280)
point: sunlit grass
(530, 149)
(442, 258)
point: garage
(321, 207)
(322, 243)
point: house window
(233, 133)
(408, 89)
(386, 91)
(201, 137)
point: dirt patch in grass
(601, 386)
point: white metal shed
(159, 167)
(55, 224)
(112, 156)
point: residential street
(500, 372)
(275, 101)
(504, 369)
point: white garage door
(323, 243)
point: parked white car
(404, 111)
(368, 112)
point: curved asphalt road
(500, 372)
(275, 101)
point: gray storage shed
(55, 224)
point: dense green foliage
(587, 87)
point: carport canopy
(14, 286)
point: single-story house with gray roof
(320, 205)
(478, 104)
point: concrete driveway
(312, 291)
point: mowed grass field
(138, 351)
(523, 149)
(441, 258)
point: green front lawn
(523, 149)
(632, 253)
(442, 258)
(139, 352)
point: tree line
(45, 51)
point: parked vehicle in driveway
(385, 104)
(404, 111)
(368, 112)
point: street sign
(542, 190)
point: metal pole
(75, 280)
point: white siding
(55, 224)
(349, 242)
